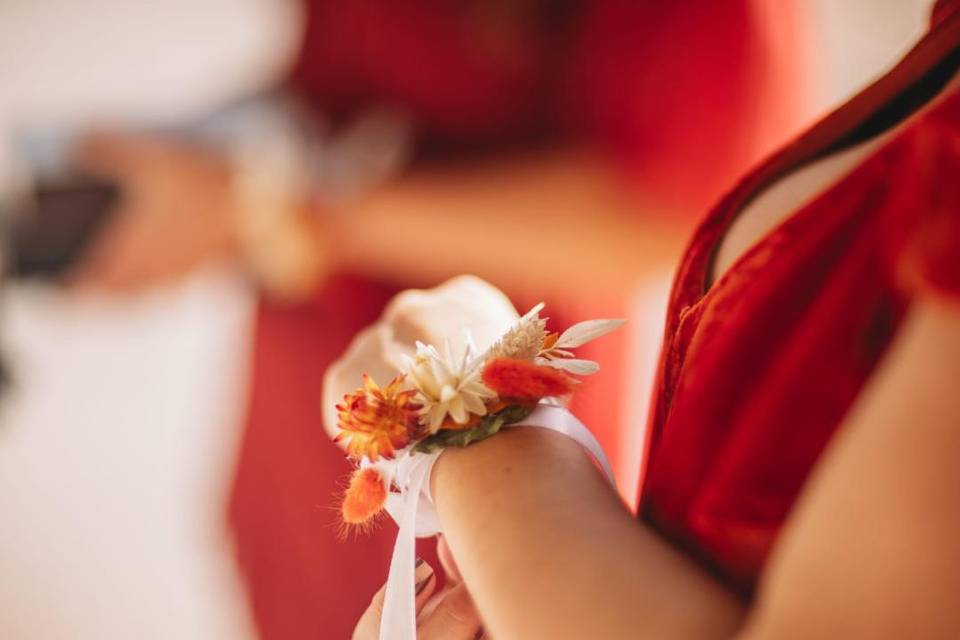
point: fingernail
(420, 586)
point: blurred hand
(430, 316)
(447, 615)
(175, 212)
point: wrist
(502, 466)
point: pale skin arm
(547, 550)
(871, 550)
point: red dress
(600, 75)
(758, 370)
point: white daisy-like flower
(448, 386)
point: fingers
(127, 255)
(451, 616)
(115, 153)
(124, 153)
(436, 315)
(425, 581)
(447, 561)
(176, 213)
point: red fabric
(758, 372)
(425, 57)
(942, 10)
(639, 81)
(632, 78)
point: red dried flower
(523, 380)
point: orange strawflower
(363, 499)
(525, 381)
(375, 422)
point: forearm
(539, 218)
(548, 550)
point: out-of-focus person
(575, 87)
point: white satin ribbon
(414, 513)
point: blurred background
(202, 202)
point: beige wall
(853, 41)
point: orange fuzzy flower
(363, 499)
(375, 422)
(524, 380)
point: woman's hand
(447, 615)
(175, 213)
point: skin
(146, 243)
(870, 550)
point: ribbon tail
(399, 618)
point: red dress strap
(928, 261)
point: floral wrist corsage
(443, 399)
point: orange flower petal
(375, 422)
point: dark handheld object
(51, 233)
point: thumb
(454, 617)
(447, 561)
(116, 154)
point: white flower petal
(447, 387)
(425, 382)
(441, 372)
(423, 350)
(447, 351)
(447, 393)
(533, 313)
(457, 410)
(578, 367)
(474, 404)
(469, 343)
(480, 390)
(583, 332)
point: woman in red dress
(802, 476)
